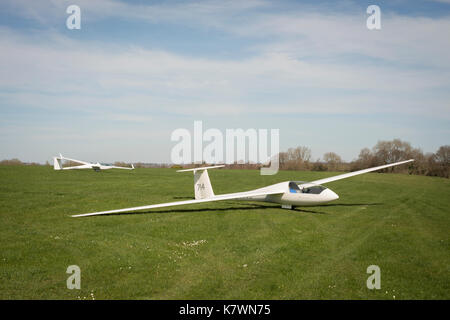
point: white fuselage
(294, 197)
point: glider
(288, 193)
(57, 165)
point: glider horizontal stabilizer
(202, 168)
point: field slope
(221, 250)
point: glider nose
(331, 195)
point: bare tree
(442, 161)
(443, 155)
(296, 158)
(392, 151)
(366, 159)
(332, 160)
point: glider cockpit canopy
(300, 187)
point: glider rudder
(57, 163)
(202, 185)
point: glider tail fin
(202, 185)
(57, 163)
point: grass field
(221, 250)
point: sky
(136, 71)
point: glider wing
(355, 173)
(229, 196)
(126, 168)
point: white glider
(58, 165)
(287, 193)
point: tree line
(300, 158)
(429, 164)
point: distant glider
(57, 165)
(289, 193)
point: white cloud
(305, 32)
(306, 62)
(80, 76)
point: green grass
(249, 250)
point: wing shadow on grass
(351, 204)
(242, 207)
(302, 209)
(183, 197)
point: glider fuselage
(295, 195)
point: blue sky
(138, 70)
